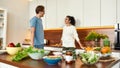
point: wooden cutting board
(107, 59)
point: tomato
(11, 45)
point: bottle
(107, 47)
(106, 42)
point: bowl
(52, 60)
(13, 50)
(46, 52)
(57, 53)
(89, 58)
(78, 51)
(35, 56)
(105, 55)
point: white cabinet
(3, 27)
(75, 8)
(118, 11)
(91, 12)
(62, 11)
(86, 12)
(32, 6)
(108, 12)
(51, 14)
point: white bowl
(78, 51)
(46, 52)
(25, 46)
(13, 50)
(36, 56)
(57, 53)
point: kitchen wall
(17, 19)
(86, 12)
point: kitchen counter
(59, 48)
(29, 63)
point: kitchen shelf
(3, 25)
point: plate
(105, 55)
(2, 51)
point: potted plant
(94, 38)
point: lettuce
(24, 53)
(89, 58)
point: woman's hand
(81, 46)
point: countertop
(29, 63)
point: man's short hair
(39, 8)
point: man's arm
(32, 35)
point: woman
(69, 34)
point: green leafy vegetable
(95, 36)
(18, 45)
(89, 58)
(24, 53)
(34, 50)
(21, 54)
(97, 48)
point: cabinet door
(118, 11)
(32, 6)
(51, 14)
(62, 12)
(91, 12)
(108, 12)
(75, 9)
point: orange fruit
(105, 50)
(88, 48)
(109, 49)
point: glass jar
(69, 57)
(106, 42)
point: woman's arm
(80, 44)
(77, 38)
(61, 41)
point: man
(37, 33)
